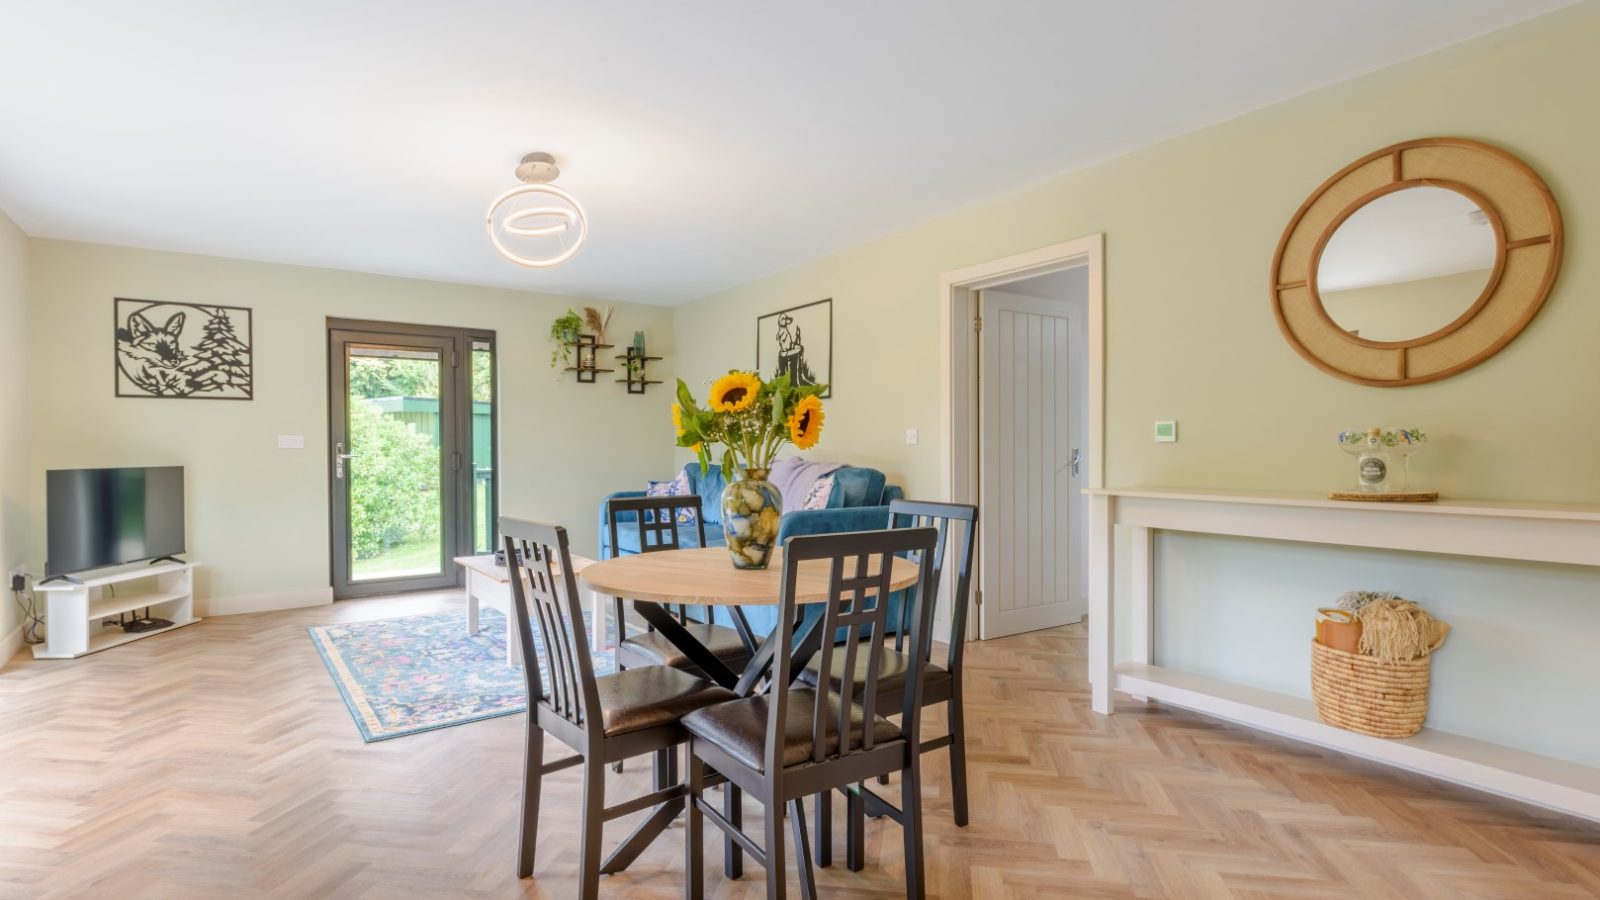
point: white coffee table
(490, 585)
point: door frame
(459, 521)
(958, 377)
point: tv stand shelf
(77, 609)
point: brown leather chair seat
(652, 649)
(892, 669)
(740, 727)
(636, 699)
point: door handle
(339, 456)
(1077, 459)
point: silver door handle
(339, 456)
(1077, 459)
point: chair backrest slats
(659, 528)
(544, 590)
(859, 601)
(957, 524)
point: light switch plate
(1166, 432)
(291, 442)
(913, 436)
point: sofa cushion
(677, 487)
(853, 486)
(709, 487)
(819, 495)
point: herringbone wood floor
(219, 761)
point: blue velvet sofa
(859, 502)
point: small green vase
(751, 509)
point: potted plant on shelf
(751, 419)
(564, 332)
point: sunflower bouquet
(751, 420)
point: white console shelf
(1550, 533)
(76, 611)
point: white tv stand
(75, 610)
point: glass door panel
(483, 444)
(395, 473)
(393, 436)
(411, 435)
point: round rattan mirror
(1416, 262)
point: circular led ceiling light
(537, 224)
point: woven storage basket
(1361, 693)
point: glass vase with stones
(751, 510)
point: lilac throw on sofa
(794, 477)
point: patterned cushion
(677, 487)
(817, 497)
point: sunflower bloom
(677, 419)
(734, 392)
(805, 423)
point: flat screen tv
(108, 517)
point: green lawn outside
(416, 557)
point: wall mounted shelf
(585, 358)
(634, 364)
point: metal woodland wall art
(191, 350)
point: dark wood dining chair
(957, 524)
(659, 529)
(796, 740)
(604, 719)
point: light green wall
(13, 438)
(258, 516)
(1190, 228)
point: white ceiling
(711, 141)
(1421, 232)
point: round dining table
(707, 577)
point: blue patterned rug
(418, 673)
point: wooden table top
(707, 575)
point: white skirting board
(254, 603)
(11, 644)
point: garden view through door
(412, 458)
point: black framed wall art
(192, 350)
(797, 342)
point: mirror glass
(1407, 264)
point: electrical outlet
(19, 578)
(913, 436)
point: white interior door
(1031, 427)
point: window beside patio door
(411, 455)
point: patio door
(410, 454)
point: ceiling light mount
(537, 224)
(538, 168)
